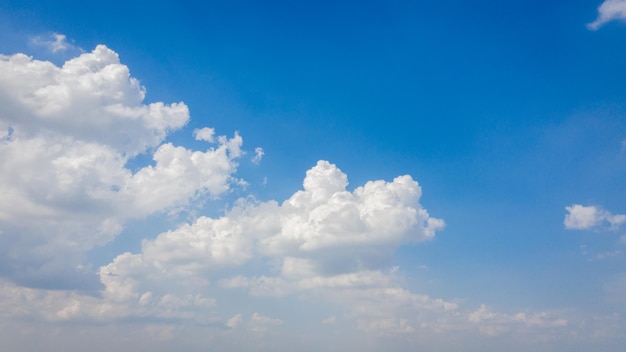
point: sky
(328, 175)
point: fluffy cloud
(323, 239)
(580, 217)
(92, 98)
(204, 134)
(609, 10)
(68, 134)
(322, 236)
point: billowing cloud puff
(609, 10)
(91, 97)
(318, 233)
(67, 135)
(580, 217)
(323, 238)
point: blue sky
(245, 175)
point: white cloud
(609, 10)
(258, 155)
(322, 239)
(581, 217)
(91, 98)
(68, 133)
(204, 134)
(323, 236)
(54, 42)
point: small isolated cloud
(234, 322)
(204, 134)
(582, 217)
(609, 10)
(54, 42)
(258, 155)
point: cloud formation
(580, 217)
(55, 42)
(609, 10)
(258, 155)
(321, 237)
(68, 134)
(68, 138)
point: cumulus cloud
(91, 98)
(323, 235)
(580, 217)
(324, 239)
(204, 134)
(609, 10)
(68, 134)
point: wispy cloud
(609, 10)
(55, 42)
(258, 155)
